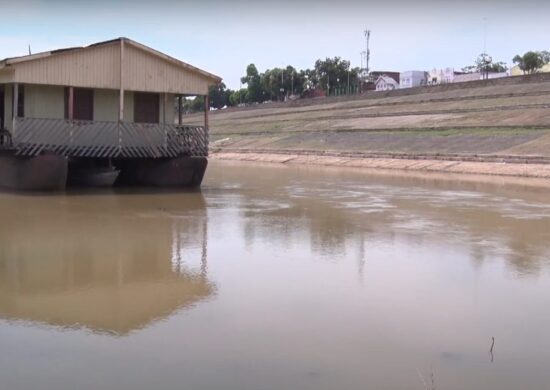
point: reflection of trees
(333, 230)
(101, 263)
(522, 242)
(326, 227)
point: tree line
(529, 63)
(331, 75)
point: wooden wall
(99, 67)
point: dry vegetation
(508, 119)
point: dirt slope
(508, 117)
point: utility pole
(282, 89)
(484, 35)
(486, 59)
(349, 68)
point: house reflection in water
(107, 267)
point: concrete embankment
(494, 128)
(529, 169)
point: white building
(442, 76)
(386, 83)
(467, 77)
(413, 78)
(478, 76)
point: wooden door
(2, 108)
(83, 104)
(146, 107)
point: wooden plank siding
(149, 73)
(91, 67)
(6, 76)
(143, 70)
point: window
(146, 107)
(83, 104)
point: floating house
(111, 111)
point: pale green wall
(47, 102)
(169, 110)
(44, 101)
(106, 105)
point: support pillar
(121, 91)
(206, 109)
(70, 107)
(164, 104)
(180, 110)
(121, 95)
(15, 101)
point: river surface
(277, 277)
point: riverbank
(500, 128)
(535, 169)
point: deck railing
(108, 139)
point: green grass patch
(483, 132)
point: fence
(108, 139)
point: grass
(481, 131)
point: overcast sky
(224, 37)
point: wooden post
(180, 110)
(164, 103)
(121, 95)
(121, 92)
(164, 100)
(206, 109)
(15, 101)
(70, 114)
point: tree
(332, 73)
(484, 63)
(196, 104)
(253, 82)
(310, 79)
(219, 96)
(238, 97)
(532, 61)
(277, 83)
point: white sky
(224, 37)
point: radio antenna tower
(367, 37)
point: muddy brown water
(277, 277)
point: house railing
(108, 139)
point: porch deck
(77, 138)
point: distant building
(374, 75)
(370, 82)
(442, 76)
(413, 78)
(313, 93)
(461, 78)
(516, 71)
(386, 83)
